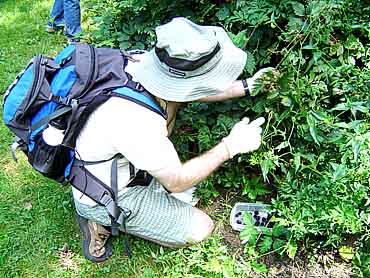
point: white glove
(257, 79)
(244, 136)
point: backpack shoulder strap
(140, 97)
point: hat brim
(170, 88)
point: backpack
(62, 92)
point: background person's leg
(72, 17)
(56, 21)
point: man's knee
(201, 226)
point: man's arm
(244, 137)
(240, 88)
(180, 177)
(235, 90)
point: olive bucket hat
(189, 62)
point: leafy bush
(316, 148)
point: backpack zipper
(91, 75)
(36, 66)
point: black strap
(86, 182)
(49, 62)
(123, 213)
(74, 108)
(83, 180)
(142, 178)
(79, 162)
(246, 89)
(114, 186)
(51, 117)
(80, 177)
(126, 245)
(132, 170)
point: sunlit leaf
(292, 249)
(346, 253)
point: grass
(38, 233)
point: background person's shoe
(73, 40)
(52, 28)
(95, 245)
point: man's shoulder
(121, 109)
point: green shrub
(316, 147)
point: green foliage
(315, 151)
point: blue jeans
(66, 12)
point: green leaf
(223, 13)
(261, 268)
(340, 50)
(312, 127)
(286, 101)
(341, 125)
(295, 23)
(298, 8)
(340, 107)
(278, 245)
(250, 66)
(346, 253)
(339, 170)
(278, 230)
(319, 115)
(139, 45)
(249, 235)
(248, 220)
(265, 230)
(282, 145)
(124, 45)
(297, 162)
(356, 148)
(240, 39)
(265, 244)
(309, 47)
(292, 249)
(266, 166)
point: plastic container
(259, 212)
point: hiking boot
(95, 245)
(52, 28)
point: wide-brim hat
(189, 62)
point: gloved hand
(256, 83)
(244, 136)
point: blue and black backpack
(63, 92)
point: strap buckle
(67, 101)
(13, 149)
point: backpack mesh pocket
(49, 160)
